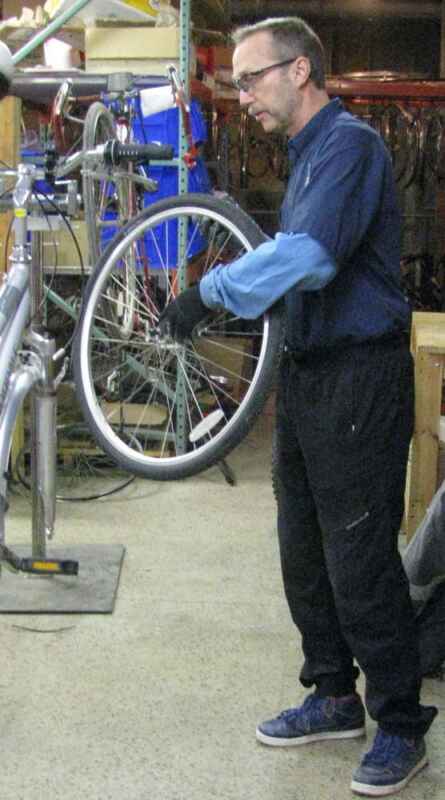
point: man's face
(271, 97)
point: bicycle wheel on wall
(186, 405)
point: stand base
(92, 591)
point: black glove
(182, 314)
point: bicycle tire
(397, 135)
(207, 392)
(435, 145)
(99, 127)
(109, 202)
(413, 167)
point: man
(344, 406)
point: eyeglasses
(244, 82)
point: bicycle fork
(35, 375)
(43, 442)
(31, 371)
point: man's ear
(302, 70)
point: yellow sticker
(20, 212)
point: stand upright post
(43, 421)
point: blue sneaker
(389, 765)
(318, 718)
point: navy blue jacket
(341, 193)
(337, 260)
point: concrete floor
(159, 700)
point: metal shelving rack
(185, 7)
(184, 74)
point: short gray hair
(291, 36)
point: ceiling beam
(327, 9)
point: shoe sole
(276, 741)
(368, 790)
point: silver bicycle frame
(27, 366)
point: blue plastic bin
(164, 128)
(167, 178)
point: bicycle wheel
(187, 405)
(99, 189)
(435, 144)
(110, 195)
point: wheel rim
(180, 401)
(100, 191)
(110, 200)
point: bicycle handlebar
(115, 152)
(109, 154)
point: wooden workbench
(428, 348)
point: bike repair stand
(71, 579)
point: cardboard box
(141, 42)
(141, 50)
(67, 255)
(222, 56)
(223, 84)
(210, 59)
(230, 364)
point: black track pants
(343, 428)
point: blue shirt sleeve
(254, 282)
